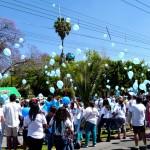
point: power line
(133, 5)
(83, 25)
(142, 3)
(87, 27)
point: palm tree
(62, 27)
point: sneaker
(94, 145)
(136, 147)
(85, 146)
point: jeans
(50, 141)
(101, 124)
(35, 144)
(90, 127)
(61, 144)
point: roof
(9, 91)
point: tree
(62, 27)
(9, 35)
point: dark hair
(12, 98)
(91, 104)
(61, 115)
(139, 100)
(50, 97)
(34, 110)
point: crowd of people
(64, 122)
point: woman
(91, 116)
(105, 119)
(62, 129)
(35, 123)
(120, 117)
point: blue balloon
(25, 111)
(66, 100)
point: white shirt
(107, 113)
(35, 128)
(11, 114)
(138, 114)
(120, 111)
(67, 123)
(91, 115)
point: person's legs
(59, 143)
(50, 141)
(136, 136)
(94, 134)
(108, 123)
(100, 125)
(124, 131)
(143, 135)
(87, 133)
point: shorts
(12, 131)
(138, 129)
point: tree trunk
(62, 57)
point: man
(137, 119)
(11, 115)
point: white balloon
(45, 66)
(75, 88)
(122, 88)
(52, 62)
(1, 76)
(60, 47)
(52, 90)
(148, 70)
(136, 61)
(113, 44)
(105, 35)
(47, 82)
(64, 65)
(52, 73)
(142, 86)
(76, 27)
(21, 40)
(7, 52)
(5, 75)
(53, 54)
(135, 85)
(68, 20)
(71, 80)
(142, 65)
(78, 51)
(142, 74)
(53, 5)
(121, 55)
(17, 45)
(60, 84)
(68, 75)
(24, 81)
(125, 50)
(46, 72)
(130, 74)
(108, 86)
(106, 65)
(125, 68)
(57, 72)
(116, 87)
(130, 67)
(108, 81)
(23, 57)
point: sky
(126, 27)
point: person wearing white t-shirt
(105, 119)
(91, 115)
(11, 114)
(137, 119)
(35, 122)
(119, 114)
